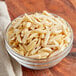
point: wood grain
(65, 68)
(63, 8)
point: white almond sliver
(39, 31)
(16, 50)
(52, 46)
(47, 38)
(68, 39)
(36, 17)
(46, 49)
(21, 53)
(36, 56)
(64, 30)
(59, 31)
(36, 22)
(28, 24)
(55, 38)
(17, 31)
(56, 43)
(35, 50)
(25, 37)
(31, 45)
(40, 55)
(17, 24)
(52, 20)
(27, 54)
(10, 34)
(13, 38)
(33, 35)
(24, 32)
(56, 52)
(42, 36)
(48, 14)
(19, 38)
(28, 17)
(38, 44)
(22, 48)
(43, 54)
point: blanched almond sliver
(44, 54)
(36, 17)
(22, 48)
(42, 36)
(67, 39)
(39, 31)
(32, 35)
(56, 52)
(19, 38)
(35, 21)
(24, 31)
(27, 54)
(17, 31)
(35, 50)
(47, 38)
(28, 17)
(28, 24)
(55, 38)
(40, 55)
(46, 49)
(36, 56)
(21, 53)
(15, 43)
(10, 34)
(38, 44)
(31, 45)
(56, 43)
(48, 14)
(25, 37)
(16, 50)
(13, 38)
(59, 31)
(52, 46)
(17, 23)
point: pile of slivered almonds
(38, 35)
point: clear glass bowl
(39, 63)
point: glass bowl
(39, 63)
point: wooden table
(63, 8)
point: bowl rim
(28, 58)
